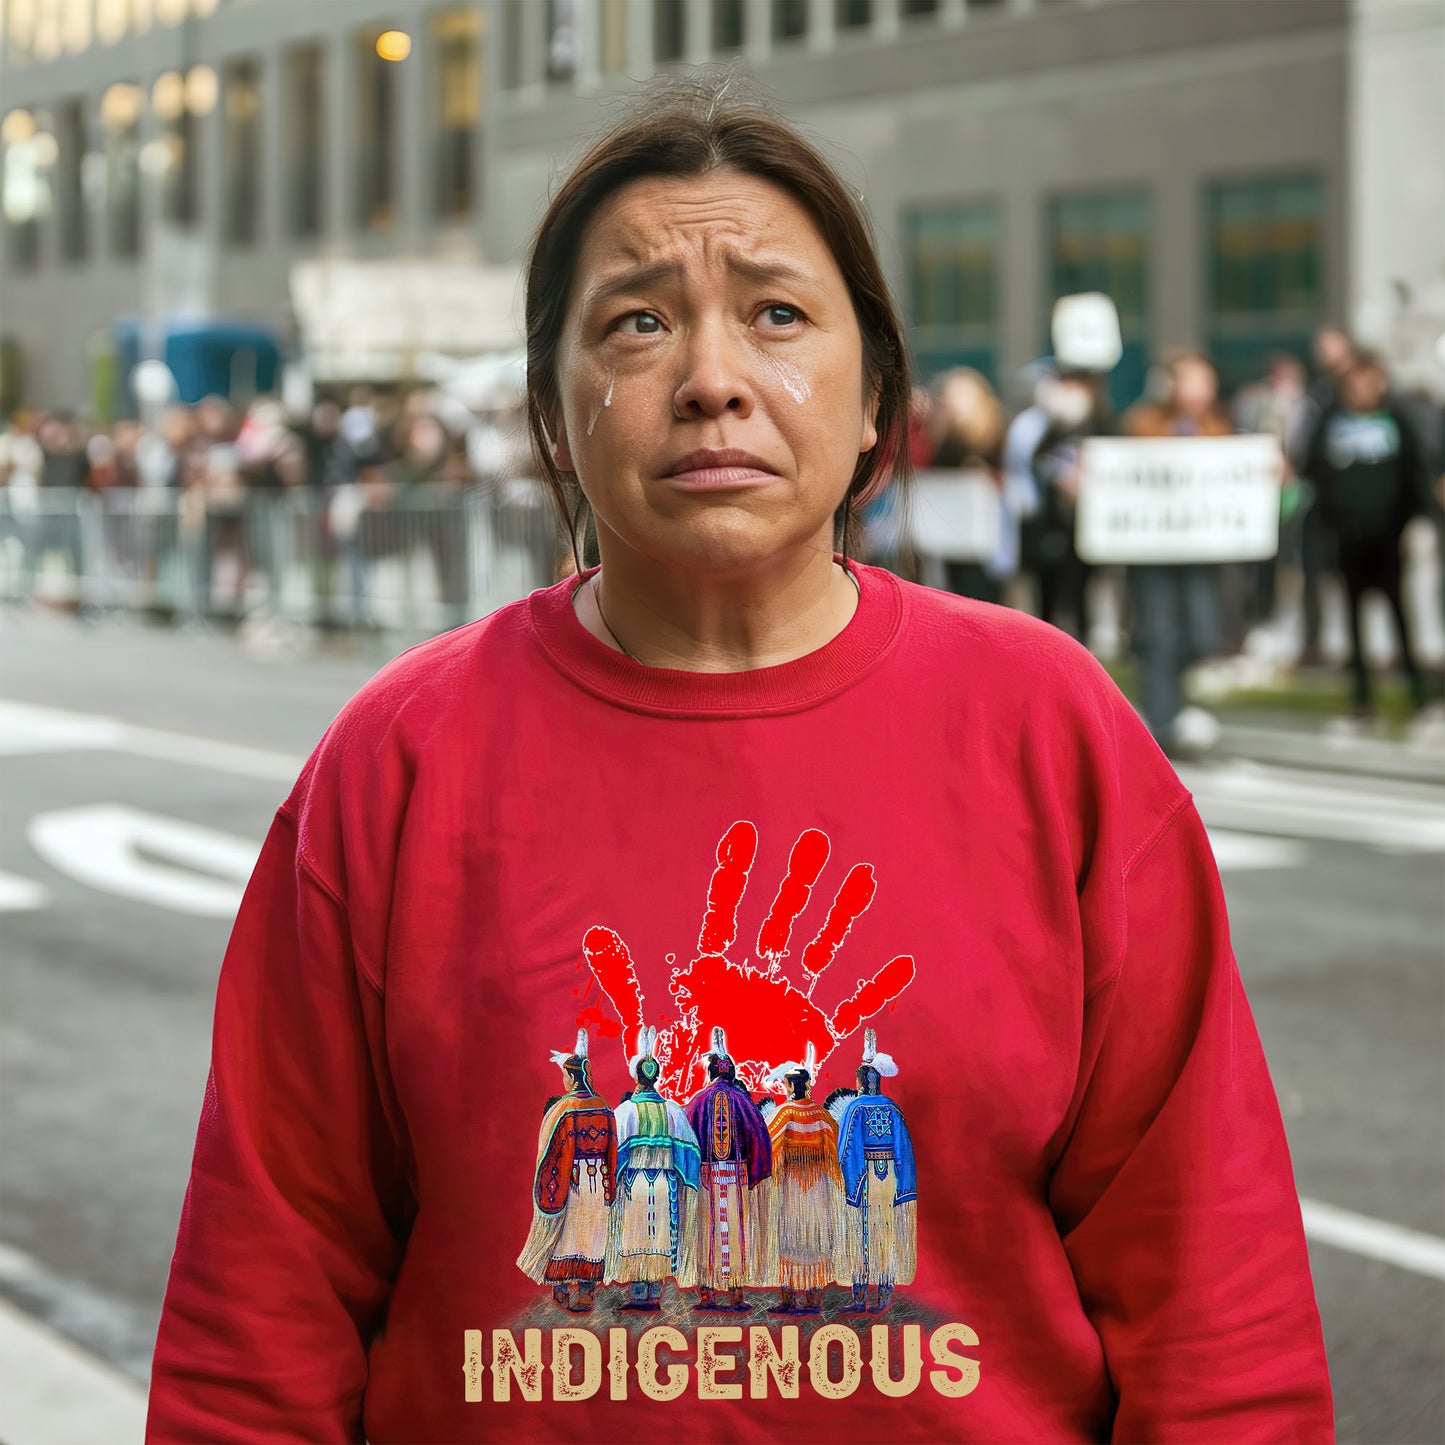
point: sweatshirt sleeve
(291, 1229)
(1174, 1191)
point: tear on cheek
(606, 402)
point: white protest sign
(1085, 331)
(955, 515)
(1178, 499)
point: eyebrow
(639, 278)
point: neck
(724, 619)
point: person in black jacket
(1368, 468)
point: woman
(729, 779)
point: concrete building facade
(1234, 174)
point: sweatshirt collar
(786, 687)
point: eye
(639, 323)
(778, 314)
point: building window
(853, 14)
(305, 139)
(790, 19)
(458, 109)
(612, 33)
(375, 129)
(1266, 275)
(669, 30)
(951, 251)
(912, 9)
(120, 113)
(561, 39)
(71, 136)
(177, 149)
(241, 143)
(727, 25)
(1101, 243)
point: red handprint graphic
(769, 1017)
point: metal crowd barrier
(415, 560)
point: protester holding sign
(1176, 606)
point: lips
(711, 469)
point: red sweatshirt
(1070, 1214)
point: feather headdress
(646, 1048)
(883, 1063)
(809, 1066)
(564, 1057)
(719, 1048)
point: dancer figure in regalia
(653, 1229)
(573, 1187)
(737, 1161)
(880, 1184)
(808, 1209)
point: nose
(715, 378)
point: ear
(870, 421)
(561, 450)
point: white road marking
(52, 1392)
(18, 895)
(1249, 852)
(133, 854)
(1253, 798)
(26, 728)
(1410, 1249)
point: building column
(1022, 322)
(697, 32)
(273, 229)
(757, 30)
(533, 20)
(339, 83)
(822, 24)
(1176, 277)
(589, 45)
(640, 51)
(952, 14)
(887, 19)
(414, 159)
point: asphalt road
(112, 941)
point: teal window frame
(963, 325)
(1271, 298)
(1102, 219)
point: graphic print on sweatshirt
(720, 1186)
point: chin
(728, 545)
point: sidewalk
(1333, 744)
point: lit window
(305, 168)
(120, 112)
(375, 116)
(241, 118)
(457, 36)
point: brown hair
(693, 128)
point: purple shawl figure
(737, 1164)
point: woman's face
(710, 373)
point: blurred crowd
(1361, 461)
(373, 471)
